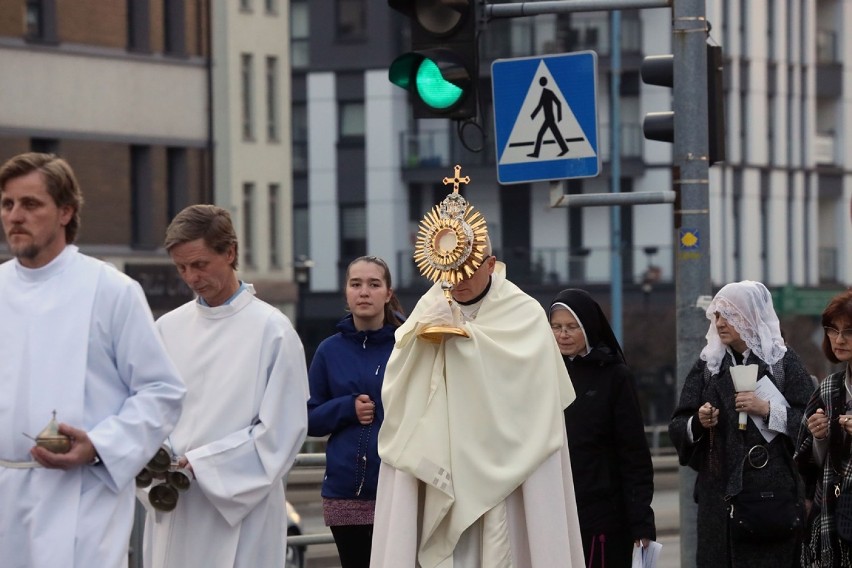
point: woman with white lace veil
(824, 455)
(741, 443)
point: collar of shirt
(229, 300)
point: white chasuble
(479, 422)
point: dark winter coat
(719, 457)
(344, 366)
(610, 459)
(613, 473)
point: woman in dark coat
(732, 462)
(611, 463)
(823, 453)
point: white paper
(647, 557)
(766, 390)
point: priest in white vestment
(245, 416)
(475, 468)
(77, 338)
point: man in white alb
(245, 417)
(76, 337)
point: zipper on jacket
(364, 345)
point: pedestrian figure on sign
(547, 102)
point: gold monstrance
(450, 247)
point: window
(274, 245)
(271, 7)
(138, 25)
(142, 198)
(248, 225)
(353, 232)
(300, 137)
(351, 19)
(352, 119)
(174, 27)
(40, 20)
(272, 99)
(177, 181)
(246, 80)
(45, 145)
(301, 231)
(245, 5)
(299, 34)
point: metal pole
(521, 9)
(616, 275)
(692, 217)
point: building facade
(158, 104)
(367, 171)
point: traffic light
(442, 69)
(659, 70)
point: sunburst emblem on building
(452, 236)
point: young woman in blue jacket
(346, 404)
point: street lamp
(302, 273)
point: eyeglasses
(832, 333)
(559, 329)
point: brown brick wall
(103, 23)
(103, 170)
(12, 18)
(10, 147)
(92, 22)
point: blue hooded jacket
(345, 365)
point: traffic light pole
(690, 179)
(690, 175)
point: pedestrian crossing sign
(545, 117)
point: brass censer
(50, 439)
(450, 247)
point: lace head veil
(747, 306)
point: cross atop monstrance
(457, 180)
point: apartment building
(158, 104)
(365, 171)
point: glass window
(351, 19)
(177, 180)
(300, 137)
(272, 99)
(138, 25)
(142, 198)
(353, 232)
(45, 145)
(299, 32)
(301, 231)
(274, 245)
(245, 5)
(271, 6)
(352, 120)
(247, 94)
(40, 20)
(248, 226)
(174, 27)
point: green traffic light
(433, 89)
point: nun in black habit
(610, 459)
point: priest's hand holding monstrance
(450, 247)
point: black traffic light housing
(659, 70)
(442, 69)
